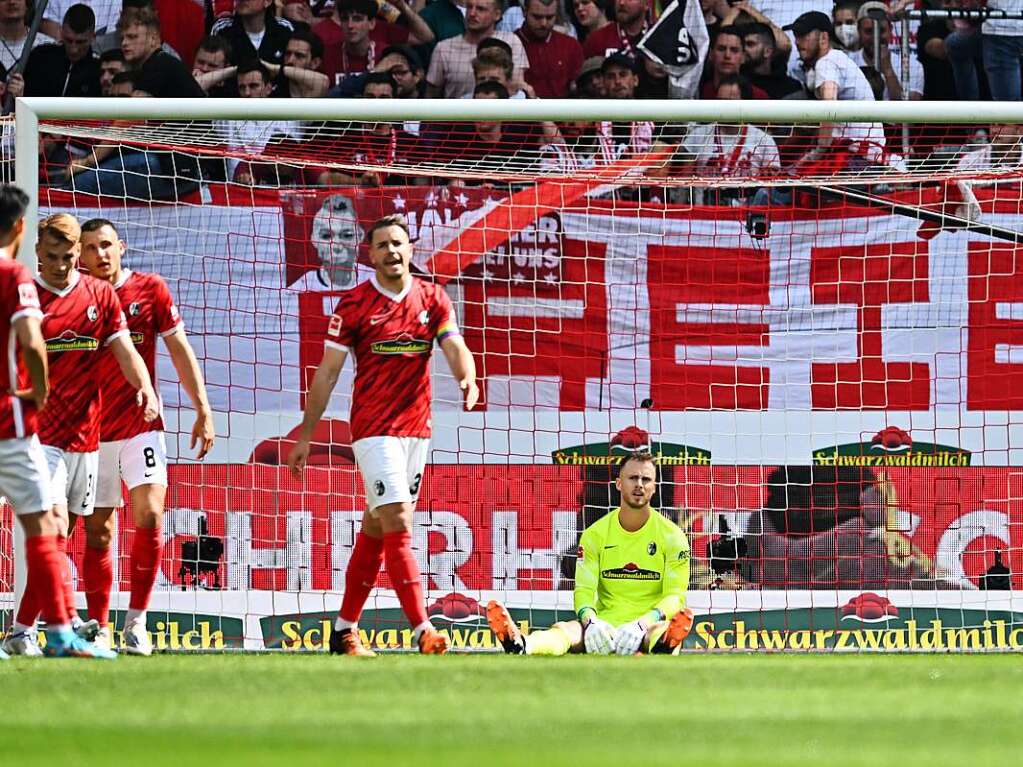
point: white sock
(134, 615)
(21, 628)
(340, 624)
(418, 630)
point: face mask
(848, 35)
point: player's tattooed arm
(324, 381)
(134, 371)
(463, 368)
(190, 374)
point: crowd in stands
(527, 49)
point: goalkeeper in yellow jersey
(630, 582)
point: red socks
(361, 576)
(146, 547)
(65, 573)
(46, 581)
(98, 574)
(403, 571)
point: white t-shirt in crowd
(1011, 28)
(838, 68)
(916, 70)
(749, 153)
(107, 12)
(10, 51)
(253, 135)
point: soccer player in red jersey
(132, 449)
(389, 323)
(24, 476)
(81, 318)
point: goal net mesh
(817, 331)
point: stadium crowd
(527, 49)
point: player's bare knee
(147, 503)
(395, 517)
(371, 526)
(99, 529)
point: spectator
(446, 19)
(214, 55)
(554, 58)
(588, 16)
(762, 64)
(745, 16)
(252, 136)
(513, 16)
(375, 144)
(1004, 150)
(111, 39)
(1003, 52)
(726, 58)
(106, 13)
(888, 58)
(299, 13)
(965, 55)
(14, 19)
(846, 27)
(161, 75)
(623, 34)
(713, 13)
(835, 77)
(403, 64)
(254, 33)
(936, 41)
(495, 65)
(450, 74)
(67, 68)
(300, 76)
(111, 64)
(876, 80)
(122, 85)
(620, 79)
(353, 38)
(720, 150)
(590, 83)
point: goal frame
(31, 112)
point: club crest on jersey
(651, 548)
(334, 326)
(424, 317)
(134, 309)
(92, 313)
(580, 553)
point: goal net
(815, 324)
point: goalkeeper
(630, 582)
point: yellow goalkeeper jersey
(624, 576)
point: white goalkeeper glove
(630, 637)
(599, 637)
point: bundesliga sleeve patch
(27, 295)
(334, 327)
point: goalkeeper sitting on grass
(630, 582)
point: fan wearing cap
(830, 75)
(620, 77)
(890, 56)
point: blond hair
(61, 226)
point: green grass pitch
(219, 710)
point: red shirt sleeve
(114, 319)
(165, 312)
(341, 327)
(26, 303)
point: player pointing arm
(389, 323)
(631, 581)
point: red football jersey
(391, 337)
(150, 311)
(18, 298)
(78, 323)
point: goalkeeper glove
(630, 637)
(599, 637)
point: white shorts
(140, 460)
(73, 479)
(24, 475)
(391, 468)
